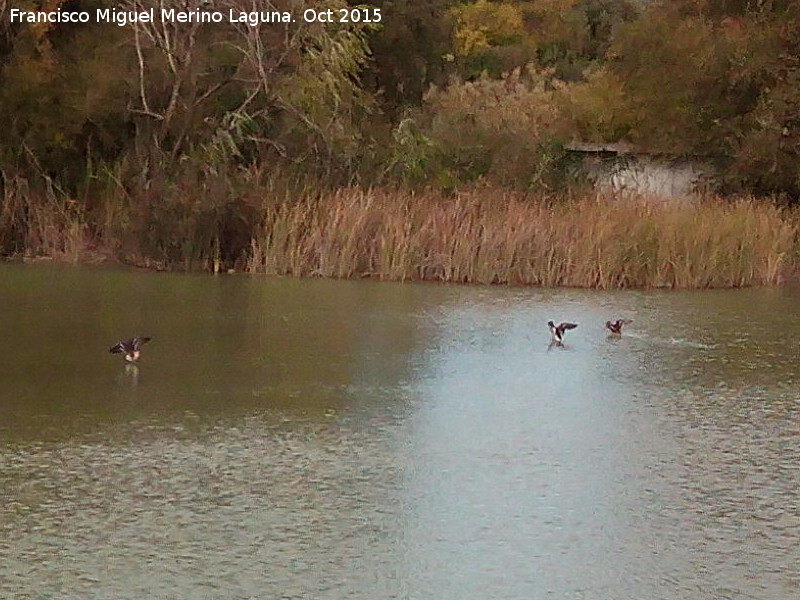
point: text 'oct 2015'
(343, 15)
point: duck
(557, 331)
(615, 327)
(132, 348)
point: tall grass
(507, 239)
(43, 223)
(482, 236)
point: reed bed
(43, 224)
(490, 238)
(481, 236)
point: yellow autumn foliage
(483, 24)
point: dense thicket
(171, 140)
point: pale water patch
(312, 439)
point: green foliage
(413, 154)
(323, 100)
(409, 52)
(698, 81)
(62, 101)
(767, 158)
(661, 61)
(505, 131)
(598, 108)
(567, 36)
(161, 94)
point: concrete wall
(647, 176)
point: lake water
(329, 440)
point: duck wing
(129, 345)
(138, 342)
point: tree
(409, 51)
(62, 95)
(699, 81)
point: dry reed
(482, 236)
(43, 224)
(594, 242)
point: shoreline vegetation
(481, 236)
(490, 237)
(403, 141)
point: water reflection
(319, 439)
